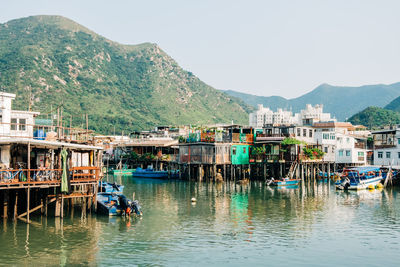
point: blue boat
(151, 173)
(107, 187)
(359, 178)
(283, 182)
(111, 204)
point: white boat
(358, 178)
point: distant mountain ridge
(51, 60)
(340, 101)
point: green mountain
(375, 117)
(341, 101)
(50, 60)
(394, 105)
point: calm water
(229, 225)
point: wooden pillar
(62, 207)
(5, 204)
(214, 171)
(224, 172)
(265, 171)
(329, 170)
(199, 172)
(189, 172)
(28, 198)
(249, 172)
(83, 207)
(58, 204)
(16, 206)
(46, 200)
(29, 164)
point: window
(234, 150)
(398, 141)
(22, 124)
(361, 154)
(348, 140)
(333, 137)
(310, 133)
(305, 132)
(299, 132)
(388, 155)
(398, 155)
(340, 153)
(244, 150)
(13, 124)
(325, 136)
(326, 149)
(347, 153)
(380, 155)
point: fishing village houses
(44, 164)
(274, 145)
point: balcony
(360, 145)
(46, 177)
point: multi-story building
(387, 146)
(15, 123)
(341, 143)
(308, 116)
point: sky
(280, 47)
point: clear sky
(261, 47)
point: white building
(265, 116)
(14, 123)
(341, 143)
(311, 115)
(387, 147)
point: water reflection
(229, 224)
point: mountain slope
(375, 116)
(340, 101)
(53, 60)
(394, 105)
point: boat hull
(290, 182)
(105, 204)
(148, 174)
(363, 184)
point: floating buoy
(194, 199)
(379, 185)
(371, 187)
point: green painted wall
(240, 154)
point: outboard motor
(115, 186)
(269, 181)
(136, 207)
(346, 183)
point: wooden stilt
(16, 206)
(57, 208)
(5, 204)
(27, 203)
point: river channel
(228, 225)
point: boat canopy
(361, 170)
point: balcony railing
(47, 176)
(360, 145)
